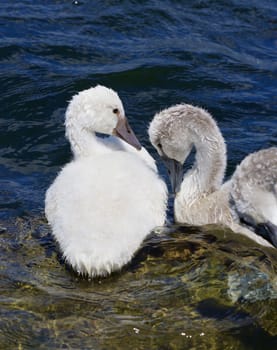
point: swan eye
(160, 149)
(115, 110)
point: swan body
(109, 197)
(201, 197)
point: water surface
(187, 288)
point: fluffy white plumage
(109, 197)
(201, 198)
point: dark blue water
(220, 55)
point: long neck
(207, 173)
(85, 143)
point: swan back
(100, 210)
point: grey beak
(175, 172)
(268, 231)
(125, 132)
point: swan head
(99, 109)
(168, 134)
(254, 192)
(174, 132)
(257, 221)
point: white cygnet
(109, 197)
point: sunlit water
(187, 288)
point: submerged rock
(187, 287)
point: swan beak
(175, 172)
(268, 231)
(125, 132)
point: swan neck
(84, 142)
(208, 170)
(210, 165)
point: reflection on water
(186, 288)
